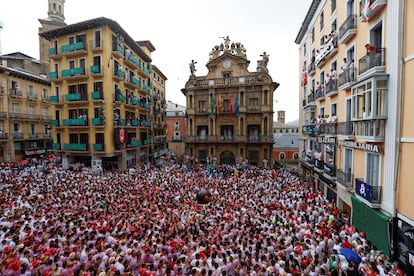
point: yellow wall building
(24, 109)
(357, 133)
(102, 95)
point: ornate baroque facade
(230, 110)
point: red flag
(231, 104)
(218, 104)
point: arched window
(296, 156)
(282, 156)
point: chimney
(281, 116)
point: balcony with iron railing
(54, 75)
(309, 158)
(347, 78)
(369, 194)
(311, 69)
(97, 95)
(73, 49)
(54, 53)
(96, 70)
(4, 135)
(242, 80)
(132, 61)
(18, 135)
(119, 75)
(319, 165)
(331, 87)
(97, 121)
(329, 170)
(311, 98)
(372, 63)
(135, 144)
(228, 139)
(75, 122)
(118, 51)
(74, 73)
(372, 130)
(345, 179)
(348, 29)
(76, 97)
(328, 128)
(75, 147)
(98, 147)
(345, 129)
(146, 88)
(160, 138)
(319, 93)
(32, 96)
(54, 123)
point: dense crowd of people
(148, 222)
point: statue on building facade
(262, 64)
(192, 68)
(215, 52)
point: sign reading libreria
(357, 145)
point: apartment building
(286, 138)
(230, 110)
(24, 109)
(176, 121)
(102, 97)
(159, 107)
(355, 59)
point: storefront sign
(357, 145)
(326, 140)
(32, 152)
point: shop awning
(373, 222)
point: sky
(181, 31)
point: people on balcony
(369, 48)
(328, 82)
(351, 71)
(334, 77)
(345, 69)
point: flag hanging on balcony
(213, 104)
(231, 103)
(236, 105)
(366, 10)
(218, 104)
(304, 79)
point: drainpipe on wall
(401, 23)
